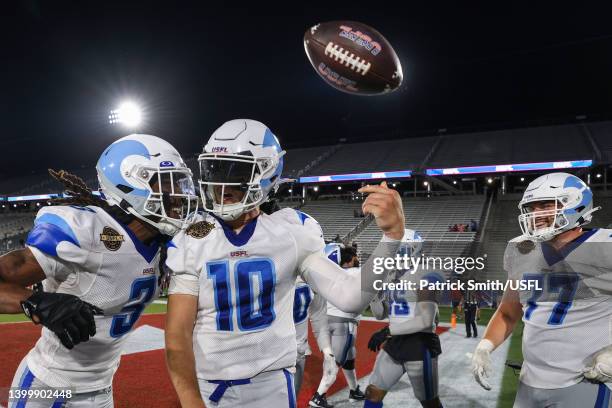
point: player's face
(168, 187)
(228, 195)
(545, 213)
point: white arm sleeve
(184, 285)
(185, 276)
(318, 318)
(425, 315)
(349, 291)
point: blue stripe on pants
(347, 348)
(427, 375)
(290, 388)
(59, 403)
(26, 382)
(603, 397)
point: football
(353, 57)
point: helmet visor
(228, 170)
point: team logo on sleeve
(111, 239)
(199, 229)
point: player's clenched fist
(70, 318)
(385, 204)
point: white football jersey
(87, 253)
(567, 316)
(402, 303)
(334, 311)
(246, 290)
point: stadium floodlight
(598, 175)
(489, 180)
(316, 188)
(128, 114)
(454, 181)
(522, 178)
(290, 190)
(425, 183)
(339, 187)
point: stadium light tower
(128, 114)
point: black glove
(379, 338)
(71, 319)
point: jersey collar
(243, 236)
(148, 252)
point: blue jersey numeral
(301, 302)
(255, 311)
(141, 293)
(399, 306)
(218, 272)
(563, 283)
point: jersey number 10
(250, 317)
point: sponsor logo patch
(219, 149)
(111, 239)
(234, 254)
(199, 229)
(148, 271)
(166, 164)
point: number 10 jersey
(245, 285)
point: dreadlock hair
(81, 195)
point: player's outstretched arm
(498, 330)
(71, 319)
(18, 270)
(352, 292)
(180, 319)
(504, 319)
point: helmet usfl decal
(200, 229)
(111, 239)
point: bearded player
(409, 343)
(97, 255)
(230, 335)
(567, 315)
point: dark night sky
(66, 64)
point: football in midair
(353, 57)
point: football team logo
(199, 229)
(111, 239)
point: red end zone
(142, 380)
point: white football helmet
(146, 177)
(243, 154)
(573, 205)
(333, 250)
